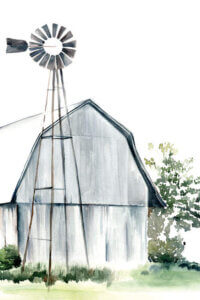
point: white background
(139, 60)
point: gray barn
(116, 192)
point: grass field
(175, 283)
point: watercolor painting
(99, 199)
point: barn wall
(107, 171)
(8, 225)
(116, 236)
(113, 191)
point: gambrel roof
(154, 198)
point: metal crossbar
(44, 188)
(48, 188)
(40, 239)
(55, 137)
(60, 87)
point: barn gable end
(106, 155)
(116, 192)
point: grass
(72, 291)
(147, 282)
(166, 277)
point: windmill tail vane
(53, 49)
(15, 46)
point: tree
(181, 192)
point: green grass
(60, 291)
(172, 278)
(151, 284)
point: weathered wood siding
(116, 236)
(114, 195)
(8, 224)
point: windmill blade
(15, 46)
(51, 63)
(70, 44)
(37, 39)
(46, 30)
(66, 37)
(34, 48)
(44, 60)
(65, 59)
(59, 62)
(34, 53)
(54, 29)
(38, 57)
(32, 44)
(69, 52)
(41, 34)
(61, 31)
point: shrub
(20, 276)
(169, 251)
(39, 275)
(6, 275)
(82, 273)
(190, 265)
(101, 275)
(144, 273)
(51, 280)
(9, 257)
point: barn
(109, 226)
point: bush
(101, 275)
(165, 275)
(83, 274)
(169, 251)
(38, 273)
(20, 276)
(6, 275)
(9, 257)
(190, 265)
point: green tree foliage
(181, 192)
(168, 251)
(9, 257)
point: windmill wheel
(52, 49)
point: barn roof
(155, 199)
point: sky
(139, 60)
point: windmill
(52, 48)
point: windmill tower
(53, 48)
